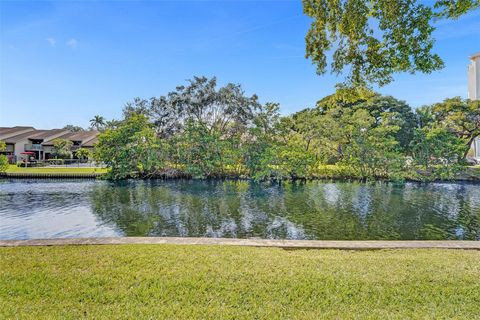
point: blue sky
(64, 62)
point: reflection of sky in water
(361, 201)
(331, 193)
(38, 224)
(285, 227)
(312, 210)
(227, 228)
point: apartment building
(28, 141)
(474, 93)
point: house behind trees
(22, 140)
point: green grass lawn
(216, 282)
(14, 168)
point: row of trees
(200, 130)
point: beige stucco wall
(474, 94)
(474, 77)
(20, 147)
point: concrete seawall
(51, 175)
(285, 244)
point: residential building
(474, 77)
(83, 139)
(28, 141)
(474, 94)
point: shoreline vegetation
(198, 282)
(202, 131)
(325, 172)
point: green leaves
(455, 8)
(83, 153)
(98, 123)
(130, 150)
(201, 132)
(226, 109)
(201, 152)
(62, 148)
(3, 158)
(372, 40)
(460, 117)
(438, 150)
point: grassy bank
(187, 282)
(15, 169)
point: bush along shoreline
(466, 174)
(202, 131)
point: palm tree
(83, 154)
(98, 123)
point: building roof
(81, 136)
(91, 142)
(7, 132)
(23, 136)
(35, 135)
(17, 134)
(475, 55)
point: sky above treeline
(62, 62)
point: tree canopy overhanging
(373, 39)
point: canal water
(32, 209)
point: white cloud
(72, 43)
(52, 41)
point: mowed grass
(215, 282)
(14, 168)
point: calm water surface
(238, 209)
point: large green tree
(436, 146)
(459, 116)
(373, 39)
(261, 136)
(131, 149)
(400, 114)
(377, 106)
(204, 153)
(226, 109)
(371, 150)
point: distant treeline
(202, 131)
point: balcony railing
(39, 147)
(33, 147)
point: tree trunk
(465, 154)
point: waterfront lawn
(217, 282)
(13, 169)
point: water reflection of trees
(312, 210)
